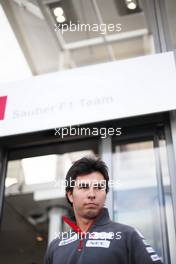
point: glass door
(142, 193)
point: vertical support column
(161, 200)
(3, 166)
(158, 23)
(171, 151)
(105, 152)
(55, 222)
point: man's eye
(84, 186)
(100, 187)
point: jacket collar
(102, 219)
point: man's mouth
(91, 204)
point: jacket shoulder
(122, 227)
(52, 246)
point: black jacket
(106, 242)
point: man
(96, 238)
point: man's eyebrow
(99, 184)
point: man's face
(89, 194)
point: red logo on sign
(3, 100)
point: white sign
(89, 94)
(98, 243)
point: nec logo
(3, 100)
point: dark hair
(85, 166)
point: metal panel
(161, 199)
(157, 18)
(3, 167)
(170, 134)
(105, 152)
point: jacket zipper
(80, 247)
(78, 230)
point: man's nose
(91, 193)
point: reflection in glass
(40, 173)
(136, 199)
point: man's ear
(70, 196)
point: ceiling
(47, 50)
